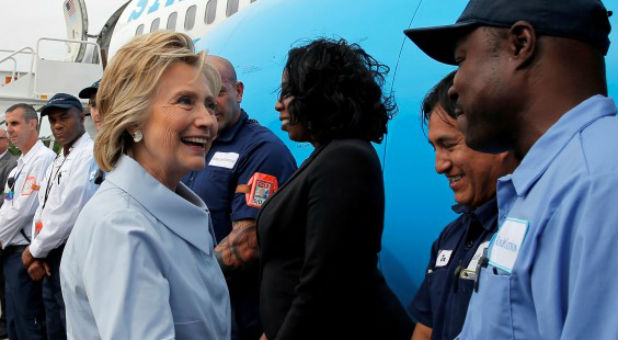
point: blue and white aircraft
(256, 35)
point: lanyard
(52, 179)
(12, 181)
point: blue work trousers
(25, 316)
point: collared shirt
(563, 199)
(140, 264)
(239, 152)
(62, 196)
(442, 299)
(16, 214)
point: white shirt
(16, 214)
(65, 185)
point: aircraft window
(190, 17)
(139, 30)
(211, 12)
(232, 7)
(171, 21)
(155, 25)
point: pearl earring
(138, 136)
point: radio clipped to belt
(258, 189)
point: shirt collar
(485, 213)
(183, 212)
(546, 148)
(81, 140)
(4, 153)
(230, 133)
(33, 152)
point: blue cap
(583, 20)
(89, 91)
(63, 101)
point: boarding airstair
(41, 78)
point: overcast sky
(25, 21)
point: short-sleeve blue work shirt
(442, 300)
(562, 284)
(239, 152)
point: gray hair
(29, 112)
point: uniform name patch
(224, 159)
(443, 257)
(505, 245)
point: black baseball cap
(63, 101)
(584, 20)
(89, 91)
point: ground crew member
(242, 149)
(24, 312)
(61, 198)
(441, 303)
(531, 78)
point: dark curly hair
(337, 91)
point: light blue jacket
(139, 264)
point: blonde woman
(139, 263)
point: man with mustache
(531, 79)
(441, 302)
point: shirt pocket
(489, 315)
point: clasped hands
(37, 268)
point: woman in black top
(321, 232)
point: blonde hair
(129, 83)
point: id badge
(506, 244)
(262, 187)
(258, 189)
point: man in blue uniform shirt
(441, 303)
(242, 149)
(531, 79)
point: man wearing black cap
(531, 79)
(63, 193)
